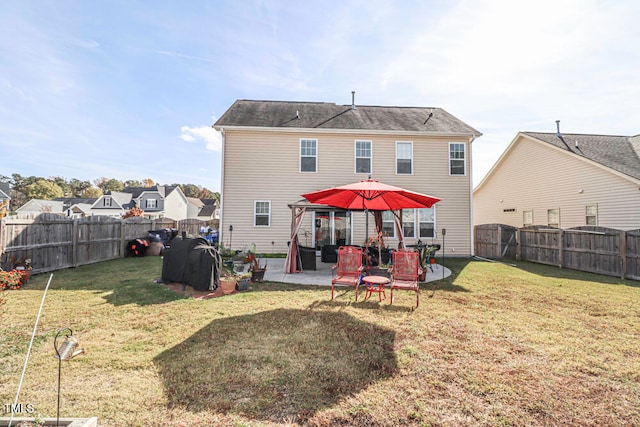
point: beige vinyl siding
(537, 176)
(175, 206)
(265, 166)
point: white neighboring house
(38, 206)
(159, 201)
(563, 180)
(194, 206)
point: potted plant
(227, 283)
(243, 281)
(257, 270)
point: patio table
(375, 284)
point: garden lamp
(65, 351)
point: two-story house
(563, 180)
(158, 201)
(273, 152)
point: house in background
(38, 206)
(113, 204)
(194, 206)
(210, 210)
(5, 192)
(563, 180)
(76, 207)
(159, 201)
(275, 151)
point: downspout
(220, 223)
(473, 243)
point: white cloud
(203, 133)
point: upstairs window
(151, 203)
(363, 156)
(262, 213)
(527, 218)
(404, 158)
(308, 155)
(457, 159)
(591, 212)
(106, 202)
(553, 218)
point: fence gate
(495, 241)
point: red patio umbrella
(370, 194)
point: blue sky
(129, 89)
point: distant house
(158, 201)
(75, 207)
(210, 210)
(194, 206)
(563, 180)
(113, 204)
(5, 191)
(38, 206)
(274, 151)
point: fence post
(518, 247)
(498, 245)
(561, 248)
(2, 237)
(623, 254)
(122, 243)
(74, 243)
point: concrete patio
(322, 275)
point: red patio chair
(348, 269)
(405, 271)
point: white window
(424, 227)
(553, 218)
(262, 213)
(388, 227)
(404, 158)
(457, 159)
(427, 222)
(363, 156)
(151, 203)
(591, 214)
(308, 155)
(527, 218)
(408, 223)
(106, 201)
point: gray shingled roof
(616, 152)
(322, 115)
(5, 188)
(67, 202)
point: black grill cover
(191, 262)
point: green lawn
(493, 345)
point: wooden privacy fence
(594, 249)
(53, 242)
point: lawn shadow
(276, 365)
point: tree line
(24, 188)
